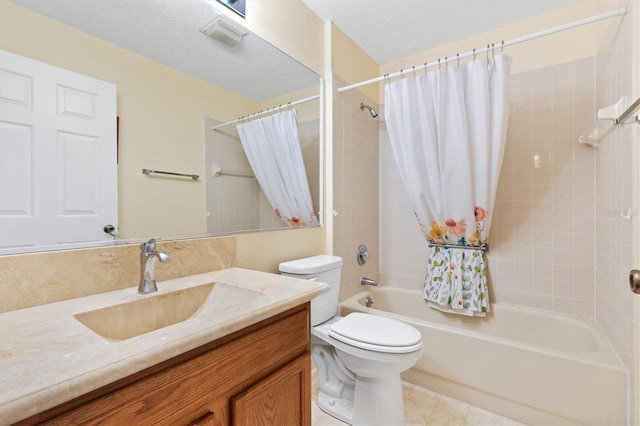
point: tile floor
(424, 407)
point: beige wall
(352, 64)
(264, 251)
(168, 135)
(290, 26)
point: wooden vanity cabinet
(257, 376)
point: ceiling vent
(224, 30)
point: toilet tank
(322, 268)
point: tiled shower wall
(543, 232)
(355, 186)
(543, 235)
(616, 174)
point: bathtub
(532, 366)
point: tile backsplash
(38, 278)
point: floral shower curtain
(447, 130)
(273, 150)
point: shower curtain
(273, 150)
(447, 130)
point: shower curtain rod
(268, 110)
(457, 57)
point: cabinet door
(283, 398)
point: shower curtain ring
(446, 64)
(401, 71)
(502, 48)
(457, 59)
(438, 64)
(488, 48)
(413, 68)
(425, 68)
(493, 50)
(474, 55)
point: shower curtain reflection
(273, 149)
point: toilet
(359, 357)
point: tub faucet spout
(367, 281)
(148, 256)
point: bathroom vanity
(243, 362)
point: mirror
(174, 83)
(234, 199)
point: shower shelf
(620, 113)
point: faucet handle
(149, 245)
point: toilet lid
(376, 333)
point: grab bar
(621, 120)
(149, 171)
(217, 172)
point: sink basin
(156, 311)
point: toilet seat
(376, 333)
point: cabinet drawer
(187, 391)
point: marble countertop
(47, 357)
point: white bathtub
(533, 366)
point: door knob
(634, 281)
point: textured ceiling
(392, 29)
(168, 31)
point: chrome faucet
(367, 281)
(148, 256)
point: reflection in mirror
(168, 82)
(235, 200)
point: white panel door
(58, 164)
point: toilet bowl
(358, 357)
